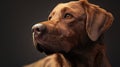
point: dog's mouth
(47, 51)
(43, 49)
(43, 44)
(40, 48)
(38, 45)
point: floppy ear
(98, 20)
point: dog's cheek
(68, 33)
(67, 46)
(63, 30)
(63, 46)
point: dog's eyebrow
(68, 9)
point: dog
(73, 36)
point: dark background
(17, 18)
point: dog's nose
(39, 28)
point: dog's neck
(90, 56)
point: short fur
(73, 36)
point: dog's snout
(39, 28)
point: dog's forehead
(72, 5)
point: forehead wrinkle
(59, 6)
(77, 11)
(71, 7)
(56, 12)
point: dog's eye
(68, 16)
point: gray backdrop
(17, 18)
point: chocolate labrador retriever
(73, 36)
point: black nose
(39, 28)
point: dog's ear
(98, 20)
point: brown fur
(74, 36)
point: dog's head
(69, 25)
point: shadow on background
(17, 18)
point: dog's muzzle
(38, 31)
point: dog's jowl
(73, 36)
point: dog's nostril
(39, 28)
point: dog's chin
(39, 48)
(46, 51)
(43, 49)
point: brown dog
(73, 36)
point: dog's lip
(41, 48)
(38, 35)
(46, 51)
(37, 42)
(39, 45)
